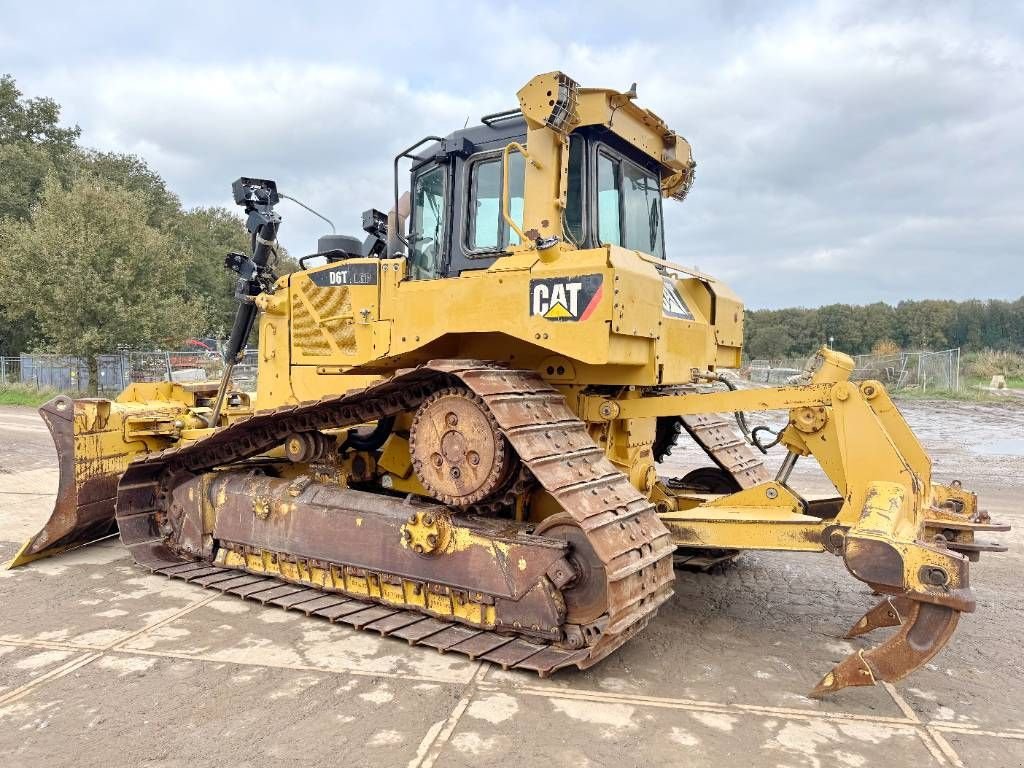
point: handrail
(504, 184)
(495, 117)
(399, 156)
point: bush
(885, 348)
(990, 362)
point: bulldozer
(458, 421)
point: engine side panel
(598, 316)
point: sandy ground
(103, 665)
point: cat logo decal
(565, 298)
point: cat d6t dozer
(458, 420)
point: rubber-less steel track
(718, 438)
(619, 523)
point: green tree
(132, 173)
(841, 323)
(31, 120)
(94, 272)
(32, 145)
(930, 324)
(207, 235)
(925, 324)
(771, 342)
(878, 326)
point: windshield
(427, 225)
(629, 206)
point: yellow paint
(440, 601)
(558, 312)
(395, 457)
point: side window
(642, 210)
(488, 230)
(574, 192)
(427, 228)
(516, 196)
(486, 205)
(609, 200)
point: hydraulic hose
(371, 440)
(750, 435)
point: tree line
(910, 325)
(96, 252)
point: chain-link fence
(925, 371)
(773, 371)
(117, 371)
(45, 372)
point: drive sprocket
(458, 450)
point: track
(618, 522)
(717, 437)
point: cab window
(486, 183)
(629, 206)
(609, 201)
(574, 193)
(427, 227)
(488, 231)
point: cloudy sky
(847, 151)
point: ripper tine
(890, 612)
(925, 630)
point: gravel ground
(103, 665)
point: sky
(847, 151)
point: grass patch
(968, 394)
(23, 394)
(1012, 382)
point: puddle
(1002, 446)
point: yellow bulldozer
(458, 420)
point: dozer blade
(891, 612)
(923, 633)
(84, 510)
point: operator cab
(455, 223)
